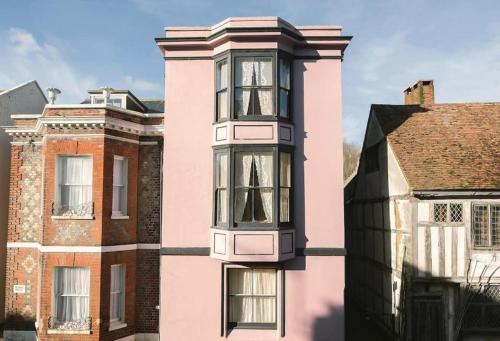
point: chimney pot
(422, 92)
(106, 93)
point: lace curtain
(253, 86)
(75, 180)
(71, 294)
(252, 295)
(253, 187)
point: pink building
(252, 238)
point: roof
(152, 105)
(444, 146)
(34, 82)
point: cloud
(141, 85)
(23, 58)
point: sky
(76, 45)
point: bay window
(252, 297)
(74, 185)
(252, 186)
(120, 179)
(253, 86)
(70, 307)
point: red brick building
(84, 220)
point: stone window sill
(73, 217)
(119, 217)
(116, 325)
(74, 332)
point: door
(427, 319)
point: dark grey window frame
(276, 54)
(275, 224)
(271, 326)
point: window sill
(116, 325)
(119, 217)
(73, 217)
(69, 332)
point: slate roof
(445, 146)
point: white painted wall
(26, 98)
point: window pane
(242, 102)
(480, 225)
(285, 205)
(264, 169)
(243, 168)
(253, 71)
(264, 282)
(495, 225)
(263, 102)
(242, 205)
(117, 294)
(222, 105)
(117, 172)
(284, 74)
(240, 281)
(264, 309)
(221, 205)
(221, 177)
(440, 213)
(222, 75)
(456, 213)
(71, 290)
(252, 295)
(285, 169)
(283, 103)
(119, 185)
(263, 205)
(74, 180)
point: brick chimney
(422, 92)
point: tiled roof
(445, 146)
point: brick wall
(148, 291)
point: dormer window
(114, 102)
(253, 86)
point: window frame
(279, 276)
(448, 221)
(275, 55)
(121, 319)
(275, 224)
(124, 169)
(57, 200)
(55, 296)
(489, 245)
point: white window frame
(121, 213)
(58, 180)
(117, 322)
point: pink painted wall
(191, 290)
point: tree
(351, 159)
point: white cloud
(23, 58)
(141, 85)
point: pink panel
(254, 244)
(253, 132)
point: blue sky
(80, 44)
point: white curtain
(285, 184)
(117, 294)
(242, 179)
(256, 72)
(264, 168)
(252, 295)
(264, 290)
(119, 186)
(75, 180)
(221, 184)
(71, 294)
